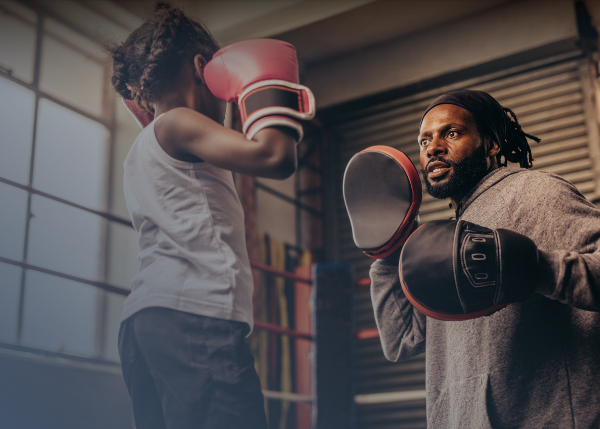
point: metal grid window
(58, 121)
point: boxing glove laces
(456, 270)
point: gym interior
(68, 251)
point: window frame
(108, 120)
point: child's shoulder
(181, 123)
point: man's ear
(493, 148)
(199, 63)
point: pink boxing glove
(261, 76)
(142, 117)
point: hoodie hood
(484, 184)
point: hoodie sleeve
(571, 278)
(566, 228)
(401, 327)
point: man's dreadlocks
(498, 123)
(516, 147)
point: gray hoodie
(534, 364)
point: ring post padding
(333, 380)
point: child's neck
(173, 100)
(199, 100)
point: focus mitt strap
(456, 270)
(382, 192)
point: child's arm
(261, 76)
(271, 153)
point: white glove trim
(273, 121)
(279, 110)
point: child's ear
(199, 63)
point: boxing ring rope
(270, 326)
(283, 396)
(102, 214)
(269, 269)
(122, 291)
(100, 285)
(363, 282)
(283, 331)
(276, 329)
(374, 398)
(383, 398)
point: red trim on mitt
(443, 316)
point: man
(532, 364)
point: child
(183, 354)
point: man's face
(453, 156)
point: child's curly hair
(153, 54)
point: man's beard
(465, 174)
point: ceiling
(232, 20)
(377, 22)
(320, 29)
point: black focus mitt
(456, 270)
(382, 192)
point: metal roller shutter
(551, 99)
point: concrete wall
(488, 36)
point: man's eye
(452, 134)
(424, 142)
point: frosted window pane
(10, 280)
(13, 214)
(74, 40)
(123, 249)
(16, 122)
(17, 47)
(71, 77)
(112, 323)
(70, 156)
(59, 314)
(64, 239)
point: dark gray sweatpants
(187, 371)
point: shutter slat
(522, 103)
(496, 86)
(535, 85)
(572, 110)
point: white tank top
(193, 255)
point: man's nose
(436, 147)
